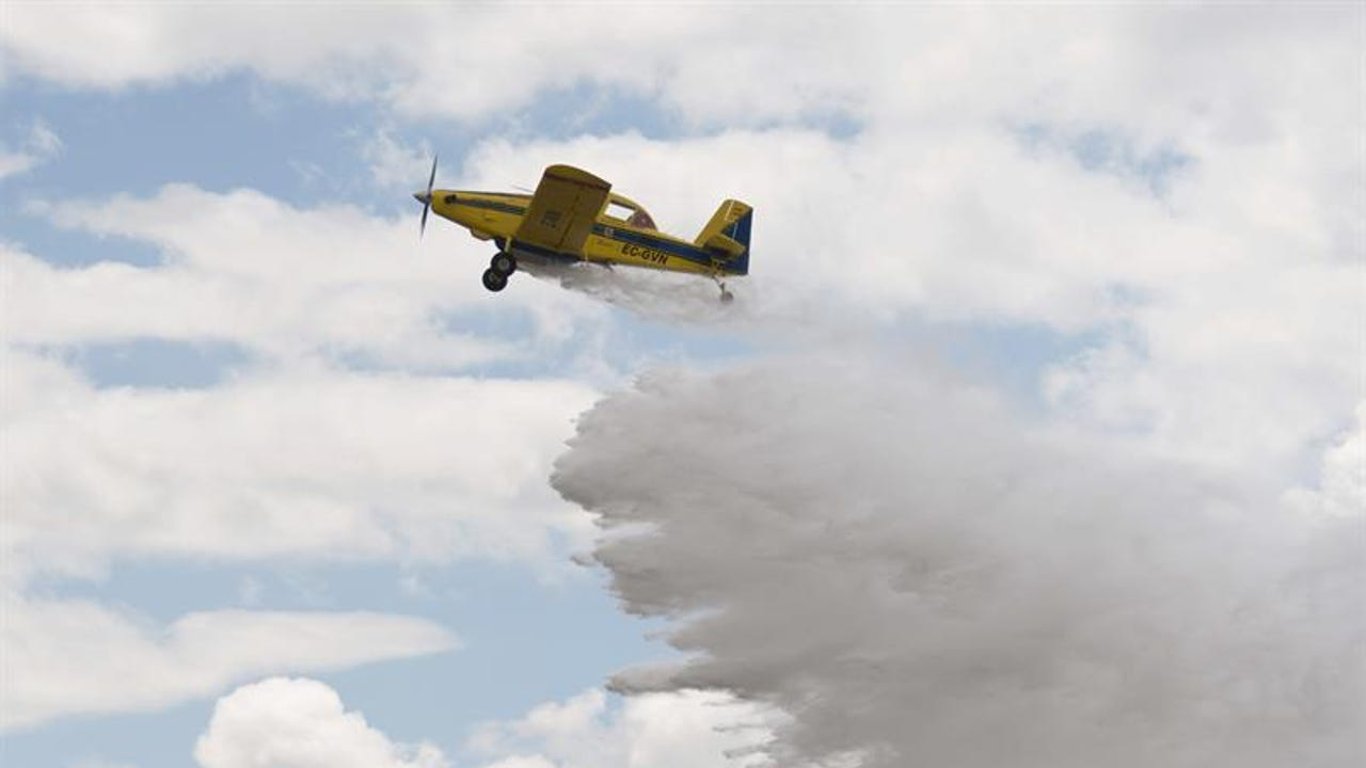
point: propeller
(426, 198)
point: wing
(562, 212)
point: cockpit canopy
(629, 212)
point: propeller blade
(427, 199)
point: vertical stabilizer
(727, 236)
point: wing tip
(577, 176)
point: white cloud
(1210, 71)
(1341, 490)
(40, 146)
(395, 165)
(1241, 280)
(1204, 318)
(523, 761)
(304, 464)
(300, 723)
(421, 60)
(290, 459)
(1230, 303)
(65, 657)
(690, 729)
(311, 465)
(282, 281)
(913, 573)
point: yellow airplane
(575, 216)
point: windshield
(635, 216)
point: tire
(494, 281)
(503, 263)
(727, 297)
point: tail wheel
(503, 263)
(494, 281)
(726, 296)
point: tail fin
(727, 236)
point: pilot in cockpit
(641, 220)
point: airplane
(574, 216)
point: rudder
(727, 236)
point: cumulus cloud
(282, 281)
(1236, 286)
(404, 56)
(300, 723)
(305, 464)
(917, 576)
(311, 465)
(293, 458)
(1148, 67)
(689, 729)
(1197, 315)
(1208, 264)
(70, 657)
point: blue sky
(239, 388)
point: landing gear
(495, 281)
(501, 266)
(503, 263)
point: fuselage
(496, 216)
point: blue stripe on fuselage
(671, 247)
(620, 234)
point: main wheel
(503, 263)
(726, 296)
(494, 281)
